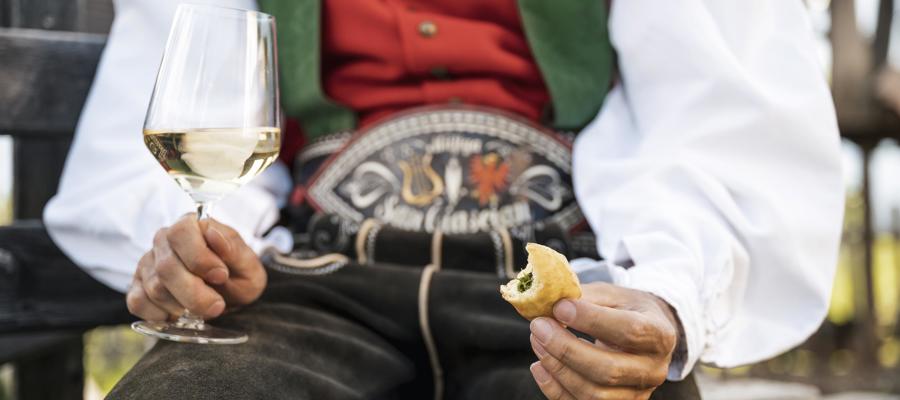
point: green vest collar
(570, 43)
(299, 57)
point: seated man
(685, 154)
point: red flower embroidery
(488, 174)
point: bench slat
(44, 79)
(37, 166)
(41, 289)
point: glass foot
(202, 333)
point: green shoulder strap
(570, 42)
(299, 57)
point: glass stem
(203, 210)
(189, 320)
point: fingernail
(217, 276)
(541, 330)
(539, 349)
(540, 374)
(215, 309)
(564, 311)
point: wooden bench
(46, 302)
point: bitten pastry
(545, 280)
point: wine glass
(213, 121)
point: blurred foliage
(110, 352)
(885, 278)
(6, 382)
(5, 212)
(5, 218)
(849, 277)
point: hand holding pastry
(635, 335)
(635, 332)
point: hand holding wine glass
(201, 266)
(213, 124)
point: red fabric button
(379, 57)
(427, 29)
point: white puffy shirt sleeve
(712, 173)
(113, 195)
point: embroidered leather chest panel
(458, 170)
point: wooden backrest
(49, 56)
(857, 63)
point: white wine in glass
(213, 121)
(210, 163)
